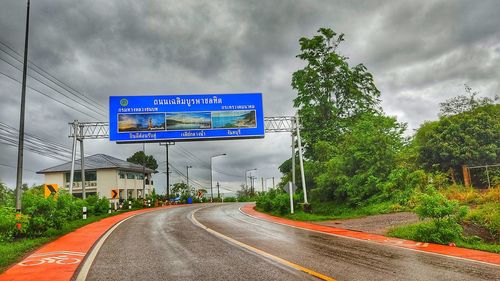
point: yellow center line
(261, 252)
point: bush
(445, 215)
(7, 223)
(230, 199)
(277, 201)
(96, 206)
(487, 216)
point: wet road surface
(168, 245)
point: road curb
(455, 252)
(61, 259)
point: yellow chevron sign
(114, 193)
(51, 189)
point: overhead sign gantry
(174, 118)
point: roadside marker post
(84, 213)
(129, 205)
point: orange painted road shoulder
(60, 259)
(456, 252)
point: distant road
(169, 244)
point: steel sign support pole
(290, 192)
(20, 147)
(82, 163)
(293, 153)
(303, 178)
(143, 172)
(73, 156)
(211, 185)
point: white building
(103, 174)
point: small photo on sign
(141, 122)
(234, 119)
(188, 120)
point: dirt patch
(471, 229)
(377, 224)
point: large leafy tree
(468, 138)
(464, 103)
(141, 158)
(331, 94)
(362, 160)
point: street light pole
(187, 178)
(20, 147)
(211, 184)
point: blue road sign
(185, 117)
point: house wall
(57, 178)
(107, 180)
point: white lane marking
(370, 241)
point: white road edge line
(84, 271)
(370, 241)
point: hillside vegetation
(359, 161)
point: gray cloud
(419, 52)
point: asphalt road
(169, 245)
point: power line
(50, 97)
(86, 106)
(10, 166)
(51, 78)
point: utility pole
(262, 184)
(273, 182)
(167, 169)
(218, 190)
(20, 147)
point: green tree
(330, 92)
(468, 138)
(6, 195)
(464, 103)
(141, 158)
(362, 160)
(180, 188)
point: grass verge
(410, 232)
(14, 251)
(331, 211)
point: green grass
(15, 251)
(331, 211)
(409, 232)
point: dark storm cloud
(420, 53)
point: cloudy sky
(420, 53)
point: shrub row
(42, 216)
